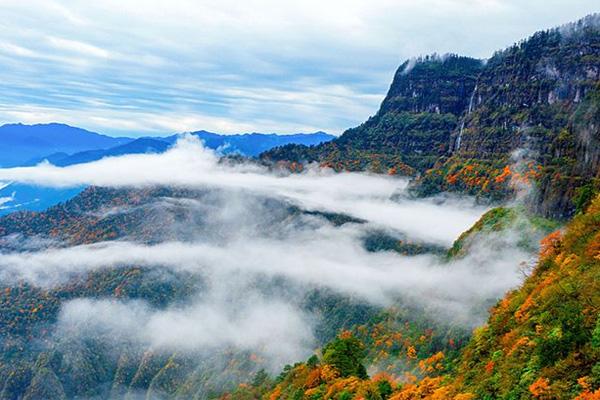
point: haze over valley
(440, 242)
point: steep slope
(542, 341)
(532, 111)
(410, 131)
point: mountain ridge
(455, 122)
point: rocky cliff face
(459, 123)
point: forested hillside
(459, 124)
(203, 287)
(542, 341)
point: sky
(133, 67)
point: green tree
(346, 353)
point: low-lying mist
(257, 259)
(189, 164)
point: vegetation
(452, 123)
(542, 340)
(456, 124)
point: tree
(346, 353)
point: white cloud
(78, 47)
(243, 243)
(189, 164)
(255, 325)
(209, 50)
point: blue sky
(133, 67)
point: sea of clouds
(306, 252)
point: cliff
(530, 112)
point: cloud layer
(189, 164)
(256, 259)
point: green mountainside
(527, 120)
(531, 112)
(542, 340)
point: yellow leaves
(464, 396)
(428, 388)
(411, 352)
(329, 373)
(594, 207)
(350, 384)
(584, 382)
(433, 363)
(569, 261)
(539, 329)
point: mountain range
(63, 145)
(456, 122)
(521, 129)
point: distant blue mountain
(137, 146)
(63, 145)
(20, 143)
(252, 144)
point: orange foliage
(550, 244)
(433, 363)
(313, 379)
(411, 352)
(345, 334)
(489, 367)
(425, 389)
(540, 389)
(506, 172)
(275, 394)
(586, 392)
(521, 314)
(451, 179)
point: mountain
(97, 367)
(525, 119)
(137, 146)
(21, 143)
(530, 112)
(252, 144)
(542, 341)
(63, 139)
